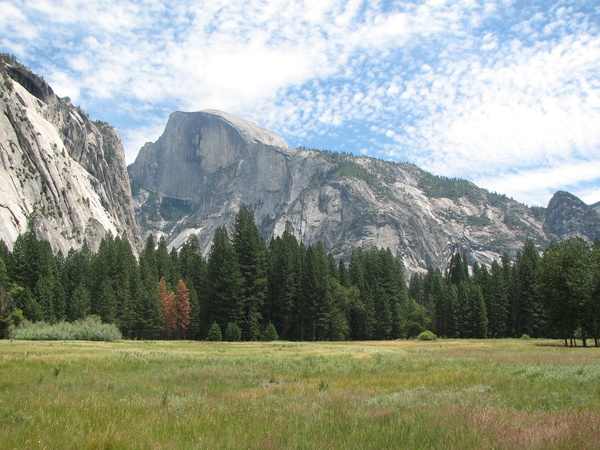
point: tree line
(248, 289)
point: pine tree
(164, 266)
(458, 270)
(528, 304)
(105, 304)
(270, 333)
(251, 252)
(79, 304)
(362, 321)
(437, 295)
(214, 333)
(193, 272)
(224, 283)
(315, 303)
(283, 276)
(565, 283)
(233, 332)
(497, 302)
(593, 306)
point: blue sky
(504, 93)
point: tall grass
(440, 394)
(89, 329)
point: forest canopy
(250, 290)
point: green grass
(439, 394)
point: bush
(427, 336)
(525, 336)
(414, 329)
(9, 323)
(233, 332)
(214, 334)
(270, 333)
(89, 329)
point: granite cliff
(63, 175)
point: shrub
(525, 336)
(214, 334)
(233, 332)
(427, 336)
(270, 333)
(89, 329)
(414, 329)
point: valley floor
(399, 394)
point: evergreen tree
(497, 302)
(105, 304)
(458, 270)
(593, 307)
(193, 272)
(75, 275)
(149, 320)
(315, 302)
(3, 275)
(164, 265)
(284, 280)
(44, 294)
(148, 259)
(438, 296)
(564, 281)
(233, 332)
(79, 304)
(214, 333)
(270, 333)
(344, 301)
(224, 283)
(251, 252)
(528, 304)
(362, 320)
(477, 317)
(509, 277)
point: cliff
(63, 175)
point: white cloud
(531, 185)
(482, 89)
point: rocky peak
(567, 216)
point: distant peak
(560, 197)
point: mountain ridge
(65, 177)
(342, 200)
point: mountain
(63, 175)
(208, 164)
(567, 216)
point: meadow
(396, 394)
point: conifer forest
(250, 289)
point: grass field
(442, 394)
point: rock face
(567, 216)
(208, 164)
(62, 175)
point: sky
(504, 93)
